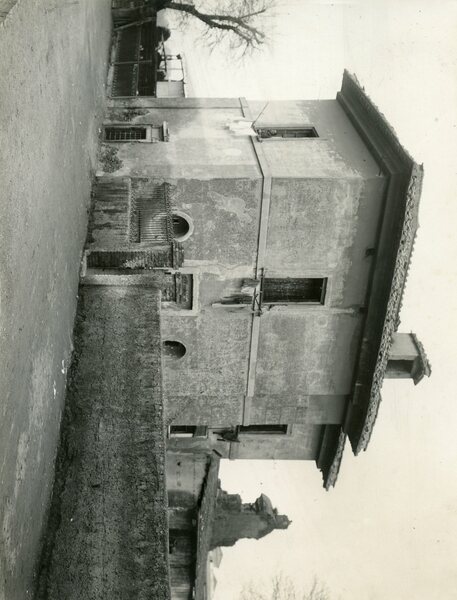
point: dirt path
(52, 73)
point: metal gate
(151, 219)
(134, 67)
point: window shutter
(178, 288)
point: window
(177, 288)
(173, 349)
(182, 226)
(288, 290)
(188, 431)
(286, 132)
(264, 429)
(136, 133)
(399, 368)
(151, 219)
(124, 134)
(150, 222)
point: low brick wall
(108, 529)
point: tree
(283, 588)
(239, 22)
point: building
(203, 518)
(282, 235)
(240, 290)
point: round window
(173, 349)
(182, 226)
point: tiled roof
(331, 476)
(405, 177)
(425, 363)
(394, 304)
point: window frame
(320, 302)
(190, 225)
(171, 357)
(149, 139)
(200, 432)
(275, 434)
(151, 206)
(182, 282)
(311, 128)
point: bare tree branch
(239, 22)
(283, 588)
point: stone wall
(108, 530)
(234, 520)
(52, 70)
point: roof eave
(399, 228)
(331, 475)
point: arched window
(173, 349)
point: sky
(389, 528)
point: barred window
(151, 217)
(136, 133)
(124, 134)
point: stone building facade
(203, 518)
(281, 234)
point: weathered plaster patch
(11, 548)
(9, 524)
(21, 461)
(231, 204)
(29, 453)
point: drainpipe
(260, 262)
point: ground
(52, 74)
